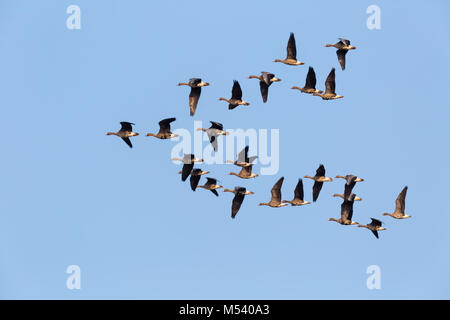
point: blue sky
(73, 196)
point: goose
(236, 97)
(195, 177)
(330, 88)
(125, 132)
(265, 80)
(239, 195)
(245, 173)
(346, 212)
(291, 56)
(342, 48)
(213, 132)
(319, 179)
(310, 84)
(298, 195)
(343, 196)
(350, 182)
(275, 200)
(196, 85)
(399, 212)
(164, 130)
(374, 226)
(243, 160)
(211, 185)
(188, 164)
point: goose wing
(400, 201)
(126, 126)
(276, 190)
(128, 142)
(186, 171)
(243, 155)
(194, 179)
(164, 125)
(216, 125)
(211, 181)
(298, 192)
(310, 79)
(341, 57)
(264, 88)
(239, 196)
(346, 210)
(236, 92)
(194, 96)
(291, 48)
(316, 190)
(330, 83)
(320, 172)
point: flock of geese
(246, 163)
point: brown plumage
(399, 212)
(125, 132)
(330, 88)
(275, 200)
(291, 53)
(196, 85)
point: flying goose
(319, 179)
(342, 48)
(196, 85)
(291, 56)
(239, 195)
(195, 177)
(213, 132)
(346, 212)
(265, 80)
(399, 212)
(211, 185)
(245, 173)
(275, 200)
(374, 226)
(125, 132)
(188, 164)
(164, 130)
(330, 88)
(350, 181)
(310, 84)
(298, 195)
(236, 97)
(243, 160)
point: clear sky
(70, 195)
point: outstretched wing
(243, 155)
(186, 171)
(194, 180)
(216, 125)
(320, 172)
(344, 41)
(316, 190)
(376, 222)
(236, 92)
(215, 192)
(164, 125)
(276, 190)
(291, 48)
(298, 192)
(126, 126)
(128, 142)
(236, 205)
(400, 201)
(211, 181)
(341, 57)
(330, 83)
(346, 210)
(310, 79)
(264, 88)
(194, 96)
(213, 140)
